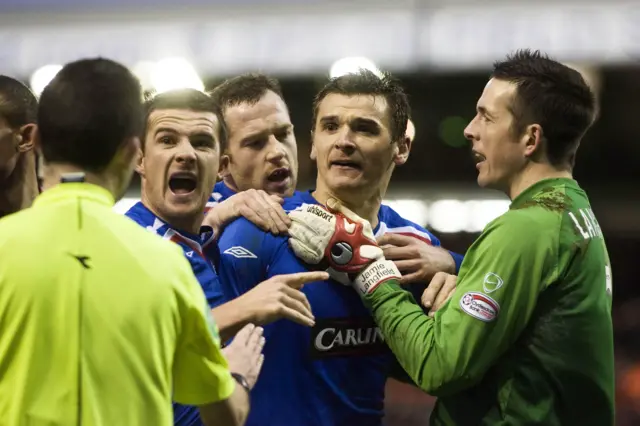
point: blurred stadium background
(441, 49)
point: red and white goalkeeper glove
(337, 237)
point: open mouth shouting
(183, 183)
(478, 158)
(279, 179)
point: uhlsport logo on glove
(318, 211)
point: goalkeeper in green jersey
(526, 336)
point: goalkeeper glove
(336, 236)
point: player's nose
(470, 131)
(276, 152)
(344, 142)
(186, 153)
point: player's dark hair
(246, 88)
(552, 95)
(365, 82)
(18, 105)
(87, 111)
(184, 99)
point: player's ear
(313, 155)
(140, 160)
(223, 170)
(532, 140)
(26, 137)
(401, 151)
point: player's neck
(533, 174)
(188, 223)
(53, 173)
(229, 183)
(365, 208)
(21, 187)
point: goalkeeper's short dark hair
(552, 95)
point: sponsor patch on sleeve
(479, 306)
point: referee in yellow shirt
(101, 322)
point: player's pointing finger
(300, 278)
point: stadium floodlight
(448, 216)
(144, 71)
(481, 212)
(351, 65)
(175, 73)
(42, 77)
(414, 210)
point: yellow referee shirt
(101, 322)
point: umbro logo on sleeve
(240, 253)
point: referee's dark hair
(18, 104)
(552, 95)
(246, 88)
(366, 82)
(183, 99)
(86, 113)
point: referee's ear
(27, 136)
(140, 162)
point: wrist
(376, 273)
(245, 310)
(242, 381)
(448, 262)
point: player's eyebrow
(274, 129)
(484, 111)
(165, 130)
(328, 119)
(195, 133)
(366, 122)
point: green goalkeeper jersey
(526, 338)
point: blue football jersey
(202, 252)
(332, 374)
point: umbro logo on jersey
(189, 253)
(240, 253)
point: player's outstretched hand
(440, 290)
(256, 206)
(244, 354)
(280, 297)
(417, 260)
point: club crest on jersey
(479, 306)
